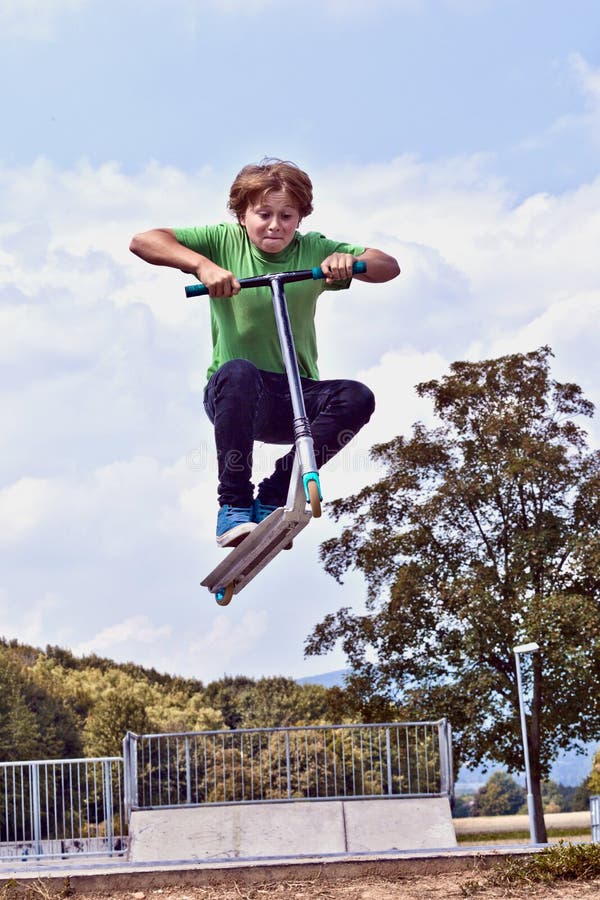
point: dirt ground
(474, 880)
(398, 887)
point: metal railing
(57, 808)
(61, 807)
(398, 759)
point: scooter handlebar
(199, 290)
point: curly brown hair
(256, 180)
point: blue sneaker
(234, 523)
(261, 510)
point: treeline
(54, 705)
(501, 795)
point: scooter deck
(258, 549)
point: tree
(188, 714)
(581, 797)
(279, 702)
(226, 695)
(499, 796)
(113, 715)
(557, 797)
(593, 781)
(19, 732)
(34, 724)
(462, 806)
(484, 532)
(589, 787)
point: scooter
(278, 530)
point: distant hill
(570, 769)
(328, 679)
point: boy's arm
(380, 266)
(161, 248)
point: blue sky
(462, 136)
(169, 81)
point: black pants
(246, 404)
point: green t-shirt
(243, 327)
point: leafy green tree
(78, 688)
(483, 533)
(19, 732)
(557, 797)
(179, 714)
(593, 782)
(581, 797)
(34, 724)
(113, 715)
(500, 796)
(226, 695)
(58, 727)
(463, 806)
(278, 702)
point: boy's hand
(220, 282)
(338, 267)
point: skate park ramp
(290, 829)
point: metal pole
(108, 804)
(595, 816)
(388, 755)
(444, 754)
(130, 775)
(36, 818)
(526, 648)
(188, 772)
(288, 773)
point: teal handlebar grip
(196, 290)
(358, 268)
(199, 290)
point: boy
(247, 396)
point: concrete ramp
(288, 829)
(396, 824)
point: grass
(562, 862)
(488, 837)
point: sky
(461, 136)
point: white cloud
(589, 79)
(573, 320)
(131, 631)
(571, 326)
(398, 407)
(110, 516)
(42, 620)
(335, 8)
(570, 142)
(24, 506)
(35, 19)
(470, 6)
(228, 641)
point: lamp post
(519, 651)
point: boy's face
(271, 221)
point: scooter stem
(302, 432)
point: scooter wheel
(315, 502)
(224, 595)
